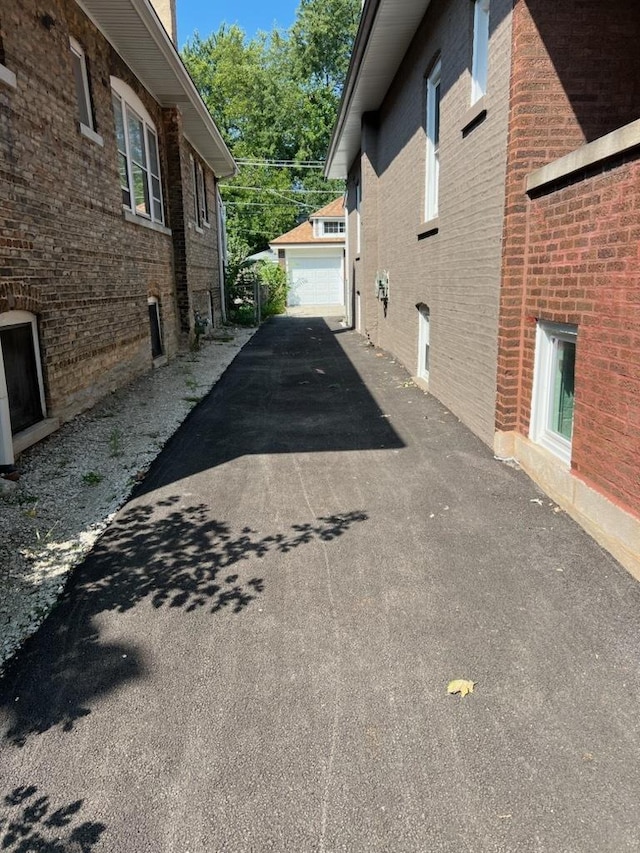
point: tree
(275, 98)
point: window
(480, 60)
(6, 76)
(154, 327)
(22, 401)
(358, 215)
(138, 159)
(200, 206)
(333, 227)
(553, 388)
(433, 143)
(79, 63)
(424, 335)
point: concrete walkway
(256, 654)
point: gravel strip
(73, 483)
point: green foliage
(275, 97)
(92, 478)
(275, 278)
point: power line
(265, 189)
(280, 164)
(263, 204)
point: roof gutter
(357, 58)
(199, 119)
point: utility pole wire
(292, 190)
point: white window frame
(83, 93)
(328, 224)
(200, 206)
(16, 318)
(424, 340)
(153, 301)
(131, 105)
(432, 127)
(358, 216)
(540, 431)
(480, 58)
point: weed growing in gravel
(17, 498)
(193, 399)
(115, 442)
(191, 383)
(92, 478)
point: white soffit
(386, 30)
(135, 31)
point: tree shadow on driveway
(29, 822)
(162, 553)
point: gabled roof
(386, 30)
(335, 209)
(303, 233)
(135, 31)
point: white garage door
(315, 281)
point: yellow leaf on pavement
(461, 686)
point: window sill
(555, 445)
(128, 216)
(91, 134)
(474, 116)
(34, 434)
(612, 144)
(198, 229)
(206, 224)
(426, 229)
(8, 77)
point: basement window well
(554, 388)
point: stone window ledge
(91, 134)
(426, 229)
(146, 223)
(474, 116)
(34, 434)
(611, 145)
(8, 77)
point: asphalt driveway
(256, 654)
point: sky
(252, 15)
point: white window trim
(358, 216)
(129, 101)
(480, 59)
(539, 431)
(16, 318)
(197, 205)
(204, 205)
(432, 183)
(8, 77)
(87, 130)
(328, 222)
(153, 300)
(424, 337)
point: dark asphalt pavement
(255, 657)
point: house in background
(110, 217)
(493, 238)
(313, 256)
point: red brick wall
(572, 254)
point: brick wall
(456, 271)
(66, 252)
(583, 267)
(571, 253)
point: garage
(315, 281)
